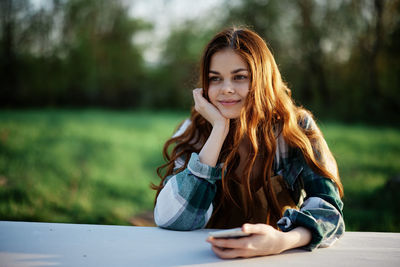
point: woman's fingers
(229, 242)
(264, 240)
(200, 102)
(197, 92)
(206, 109)
(228, 253)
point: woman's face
(229, 82)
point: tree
(337, 56)
(177, 74)
(104, 66)
(72, 52)
(12, 17)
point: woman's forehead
(227, 60)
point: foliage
(73, 53)
(340, 58)
(177, 72)
(93, 166)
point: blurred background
(91, 89)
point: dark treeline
(340, 58)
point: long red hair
(268, 108)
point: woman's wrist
(210, 152)
(295, 238)
(221, 126)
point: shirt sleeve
(185, 202)
(321, 212)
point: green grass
(96, 166)
(367, 158)
(80, 166)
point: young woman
(249, 157)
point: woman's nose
(227, 87)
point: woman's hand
(210, 152)
(265, 240)
(208, 110)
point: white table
(48, 244)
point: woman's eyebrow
(238, 70)
(232, 72)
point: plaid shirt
(186, 201)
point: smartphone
(230, 233)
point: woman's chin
(230, 115)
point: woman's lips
(229, 102)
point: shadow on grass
(373, 211)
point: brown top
(230, 215)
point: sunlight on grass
(80, 166)
(96, 166)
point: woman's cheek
(212, 95)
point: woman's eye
(214, 79)
(240, 77)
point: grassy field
(95, 166)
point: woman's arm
(185, 202)
(265, 240)
(210, 152)
(321, 211)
